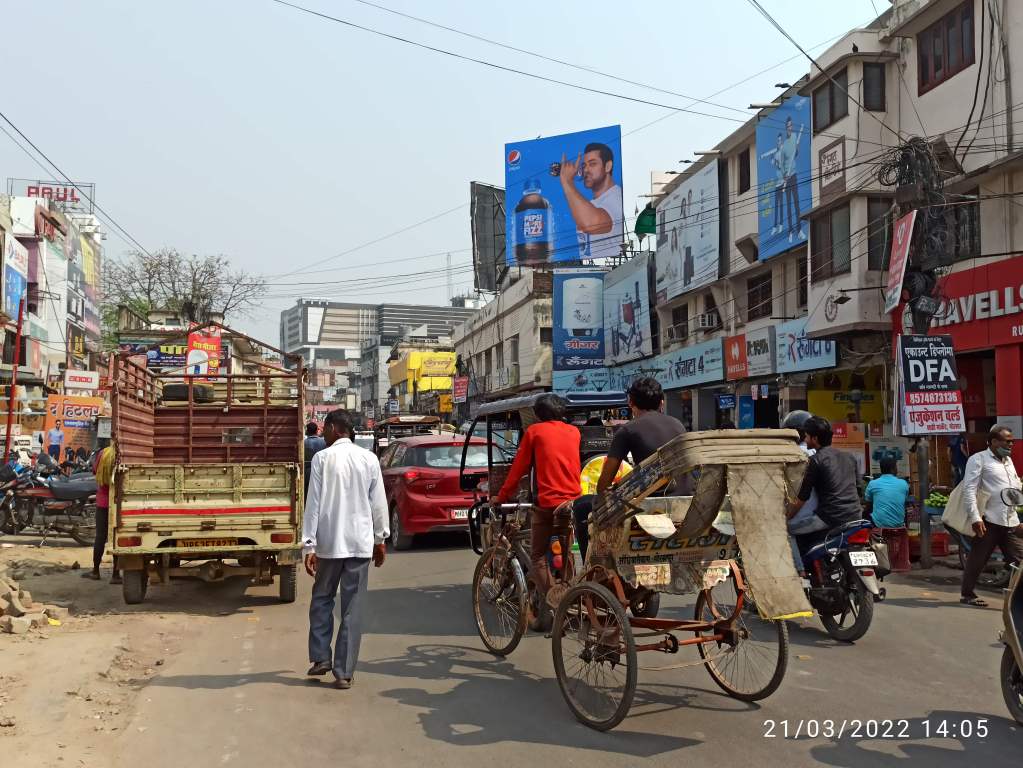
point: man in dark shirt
(832, 473)
(649, 430)
(312, 445)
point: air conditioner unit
(708, 321)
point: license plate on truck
(863, 558)
(459, 514)
(207, 543)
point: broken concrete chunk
(15, 625)
(14, 605)
(57, 612)
(37, 619)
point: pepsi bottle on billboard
(534, 238)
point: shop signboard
(75, 341)
(159, 357)
(902, 237)
(748, 355)
(578, 332)
(784, 189)
(15, 275)
(437, 364)
(848, 395)
(445, 404)
(929, 401)
(460, 389)
(852, 439)
(688, 235)
(984, 305)
(747, 412)
(683, 368)
(627, 312)
(889, 446)
(69, 422)
(795, 352)
(204, 352)
(542, 175)
(726, 402)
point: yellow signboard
(446, 404)
(437, 364)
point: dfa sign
(928, 399)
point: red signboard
(203, 353)
(460, 389)
(902, 236)
(984, 306)
(736, 361)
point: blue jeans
(351, 575)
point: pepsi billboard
(784, 191)
(564, 198)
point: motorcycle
(842, 580)
(1011, 673)
(35, 503)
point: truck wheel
(288, 582)
(135, 585)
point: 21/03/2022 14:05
(876, 729)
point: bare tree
(194, 287)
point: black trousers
(102, 529)
(999, 536)
(581, 512)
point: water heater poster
(578, 319)
(627, 312)
(784, 189)
(564, 198)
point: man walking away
(345, 524)
(832, 474)
(995, 523)
(641, 437)
(887, 496)
(958, 455)
(312, 445)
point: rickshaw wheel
(752, 668)
(594, 656)
(499, 600)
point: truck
(208, 476)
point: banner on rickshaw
(929, 401)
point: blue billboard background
(784, 188)
(540, 227)
(578, 327)
(15, 285)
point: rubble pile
(19, 612)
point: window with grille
(831, 101)
(830, 247)
(759, 297)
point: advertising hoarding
(15, 274)
(164, 356)
(75, 341)
(460, 389)
(902, 237)
(627, 312)
(487, 216)
(784, 188)
(929, 401)
(71, 416)
(564, 198)
(203, 352)
(748, 355)
(437, 364)
(795, 352)
(688, 235)
(578, 328)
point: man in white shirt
(344, 526)
(994, 522)
(600, 221)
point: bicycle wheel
(594, 656)
(752, 668)
(499, 600)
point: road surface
(426, 694)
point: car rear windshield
(450, 456)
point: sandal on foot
(975, 601)
(91, 575)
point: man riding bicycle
(551, 447)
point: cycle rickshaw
(639, 543)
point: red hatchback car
(421, 478)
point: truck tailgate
(206, 506)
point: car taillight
(860, 537)
(129, 541)
(281, 538)
(413, 475)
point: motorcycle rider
(806, 521)
(833, 475)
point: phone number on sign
(876, 729)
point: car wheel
(399, 540)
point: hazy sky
(280, 140)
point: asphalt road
(427, 695)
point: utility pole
(12, 396)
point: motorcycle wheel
(860, 610)
(83, 529)
(1012, 685)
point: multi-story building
(506, 347)
(316, 328)
(419, 371)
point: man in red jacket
(552, 447)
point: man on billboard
(789, 152)
(602, 216)
(55, 440)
